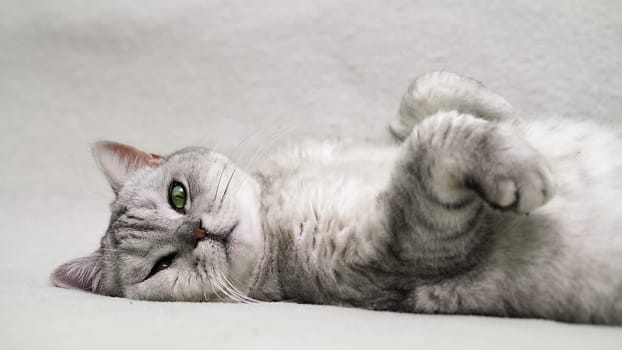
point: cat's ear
(118, 161)
(82, 273)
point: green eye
(177, 195)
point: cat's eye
(177, 196)
(162, 264)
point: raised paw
(512, 175)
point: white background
(243, 77)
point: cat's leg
(453, 171)
(446, 91)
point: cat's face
(184, 227)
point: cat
(471, 210)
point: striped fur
(472, 211)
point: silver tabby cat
(472, 211)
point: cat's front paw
(514, 176)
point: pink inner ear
(118, 161)
(155, 160)
(131, 153)
(82, 273)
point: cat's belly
(565, 255)
(319, 206)
(545, 265)
(587, 164)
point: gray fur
(466, 216)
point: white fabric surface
(244, 76)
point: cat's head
(182, 227)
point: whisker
(219, 179)
(245, 298)
(238, 296)
(248, 162)
(242, 296)
(262, 151)
(216, 287)
(276, 136)
(227, 188)
(238, 148)
(234, 294)
(244, 155)
(225, 288)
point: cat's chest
(323, 190)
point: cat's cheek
(160, 287)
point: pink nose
(199, 233)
